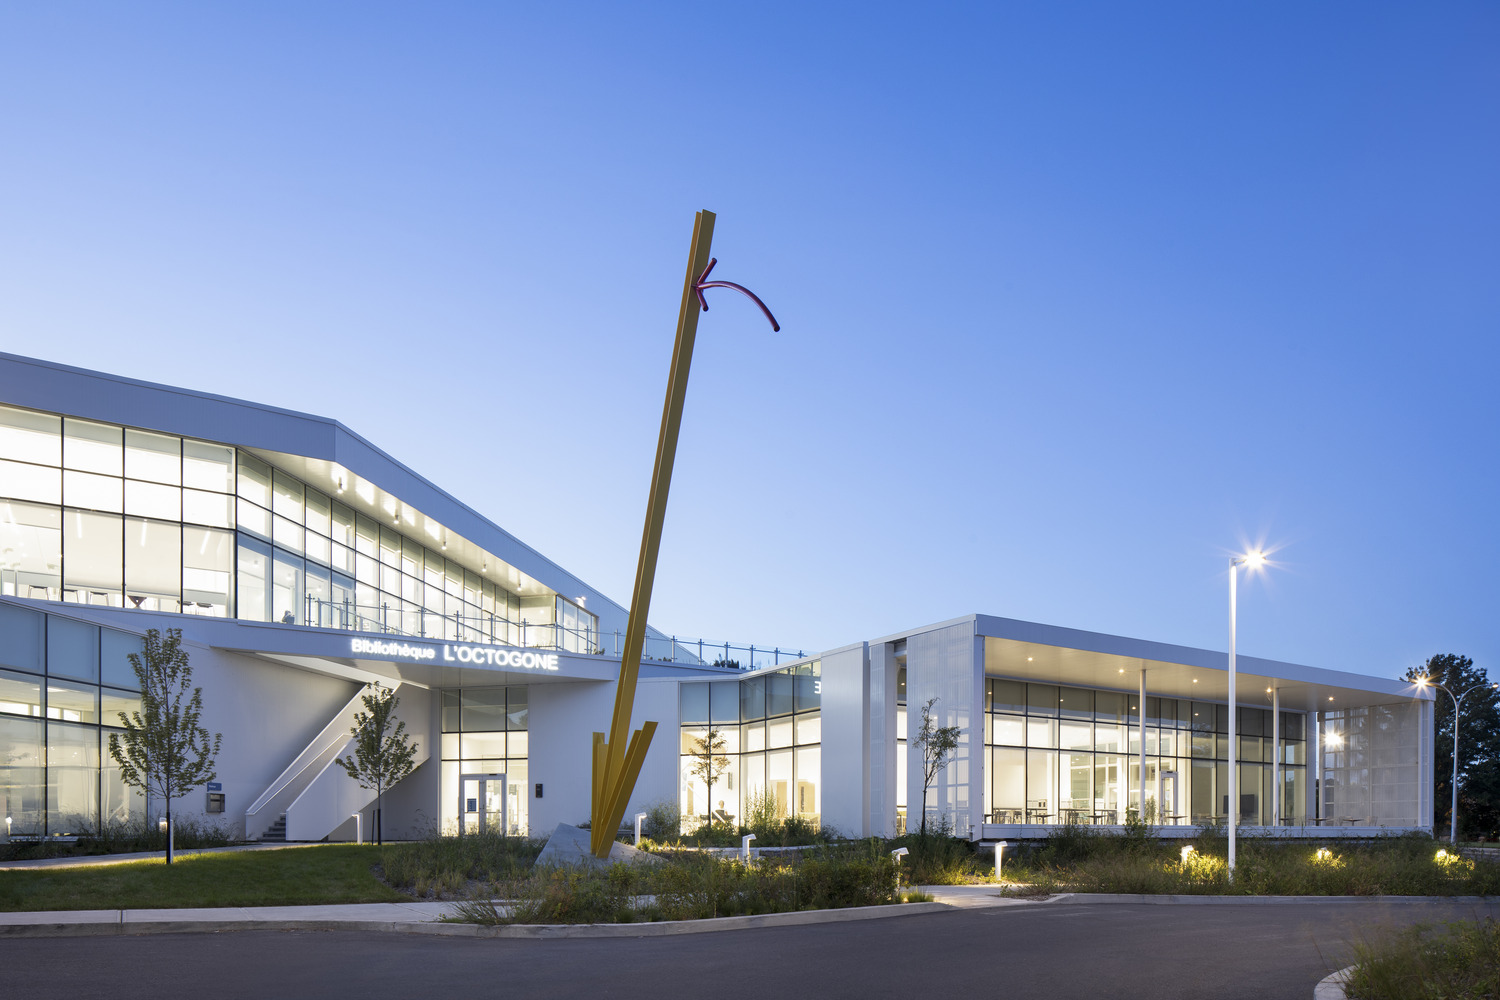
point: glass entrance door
(1169, 808)
(481, 803)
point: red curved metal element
(703, 283)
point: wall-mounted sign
(456, 652)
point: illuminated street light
(1251, 560)
(1427, 682)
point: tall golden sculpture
(616, 765)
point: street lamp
(1250, 560)
(1426, 682)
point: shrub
(445, 866)
(663, 821)
(1459, 961)
(130, 836)
(693, 886)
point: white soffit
(1303, 689)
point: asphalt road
(1119, 951)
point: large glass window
(774, 765)
(72, 779)
(484, 732)
(1094, 775)
(93, 558)
(65, 484)
(22, 775)
(153, 457)
(253, 590)
(91, 447)
(31, 541)
(28, 436)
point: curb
(1331, 986)
(665, 928)
(1107, 897)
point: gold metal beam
(615, 768)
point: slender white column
(1234, 786)
(1142, 771)
(1275, 756)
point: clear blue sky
(1076, 298)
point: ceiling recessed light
(1028, 659)
(1195, 680)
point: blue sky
(1077, 299)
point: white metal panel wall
(267, 712)
(657, 700)
(881, 819)
(846, 737)
(563, 719)
(946, 664)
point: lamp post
(1251, 560)
(1458, 700)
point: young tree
(709, 762)
(383, 753)
(937, 744)
(1478, 742)
(163, 750)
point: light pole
(1458, 700)
(1251, 560)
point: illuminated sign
(456, 652)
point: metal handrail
(423, 624)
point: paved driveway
(1090, 950)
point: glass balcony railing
(422, 624)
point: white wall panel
(846, 737)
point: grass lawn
(336, 873)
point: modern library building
(302, 564)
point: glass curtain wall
(772, 731)
(1069, 755)
(105, 515)
(485, 731)
(63, 685)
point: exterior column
(1142, 768)
(1275, 756)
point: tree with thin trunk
(164, 751)
(709, 762)
(383, 752)
(937, 744)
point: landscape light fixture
(1428, 682)
(1252, 561)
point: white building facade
(302, 564)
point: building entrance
(481, 803)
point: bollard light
(745, 847)
(161, 825)
(1187, 852)
(639, 819)
(1000, 846)
(896, 856)
(359, 828)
